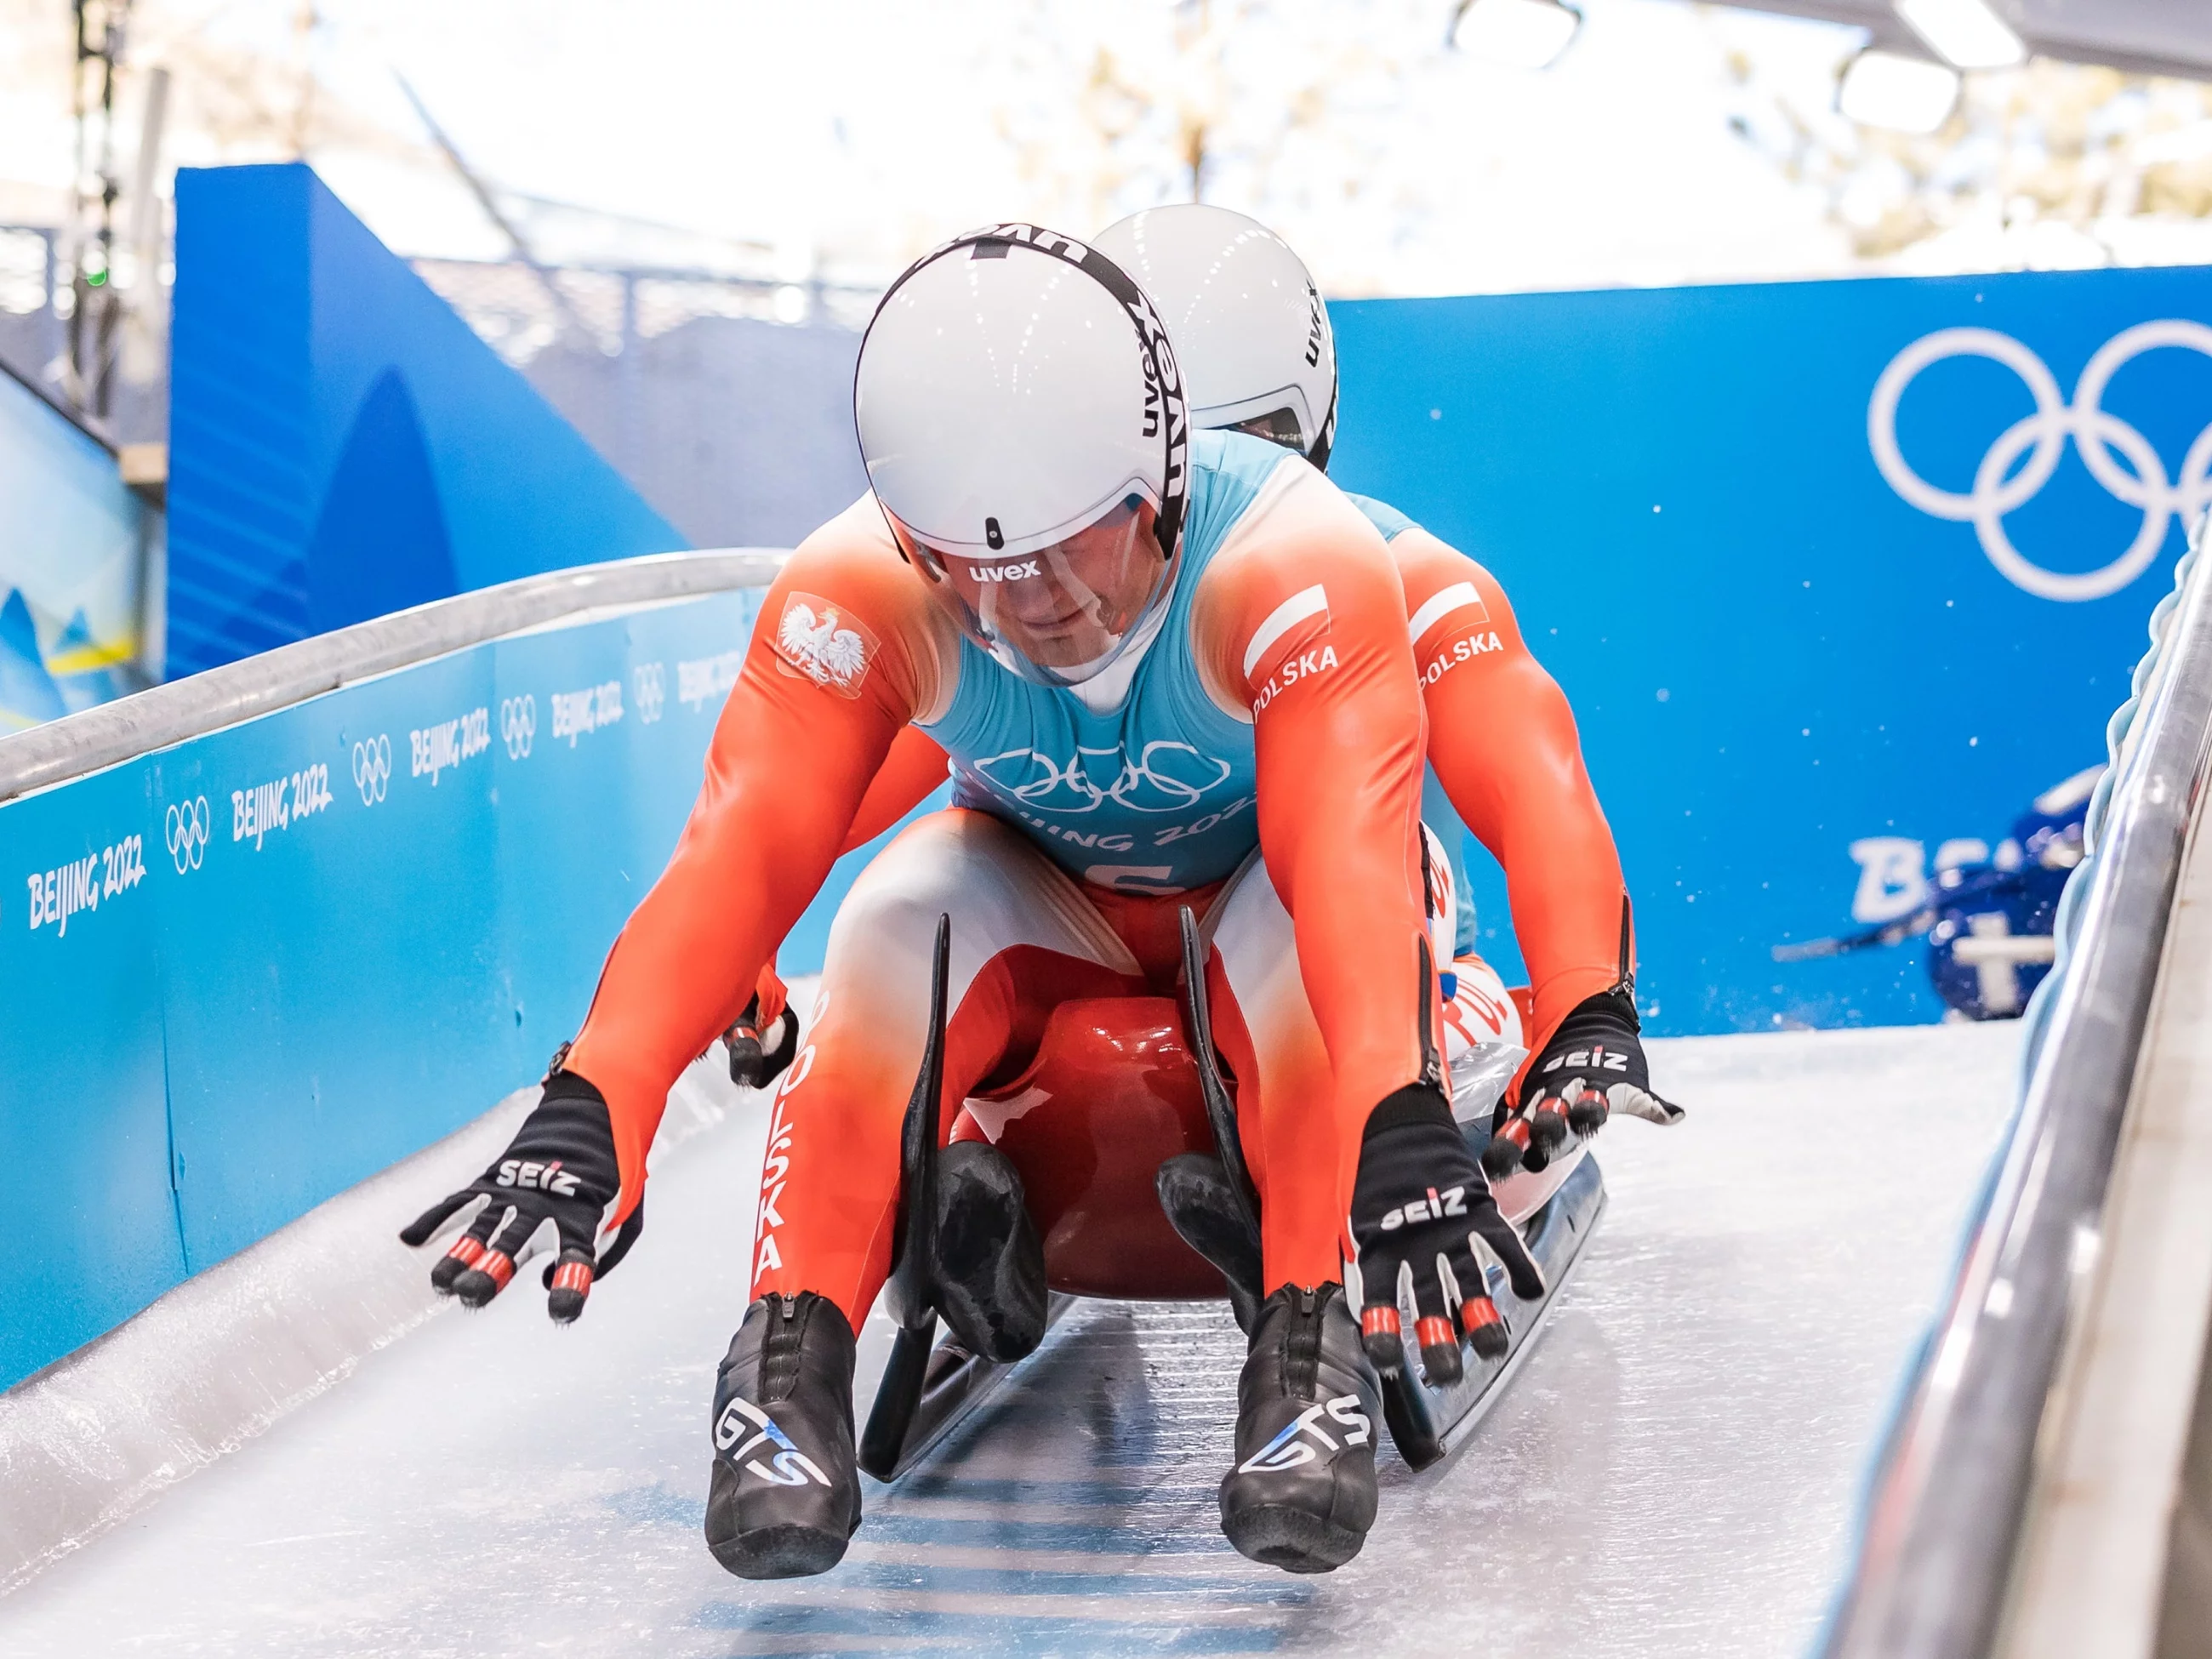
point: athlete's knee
(1251, 930)
(919, 877)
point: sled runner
(1123, 1091)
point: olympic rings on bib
(372, 767)
(1167, 776)
(2042, 436)
(185, 826)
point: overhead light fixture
(1968, 33)
(1529, 34)
(1902, 93)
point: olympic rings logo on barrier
(186, 826)
(1138, 785)
(2042, 436)
(649, 682)
(518, 725)
(372, 767)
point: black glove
(560, 1167)
(1592, 1067)
(754, 1064)
(1421, 1209)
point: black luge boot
(989, 1280)
(784, 1496)
(1201, 1206)
(1302, 1495)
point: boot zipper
(781, 1352)
(1302, 1345)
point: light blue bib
(1156, 796)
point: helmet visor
(1064, 613)
(1278, 426)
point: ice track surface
(1674, 1471)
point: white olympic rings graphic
(518, 723)
(1078, 794)
(650, 682)
(372, 767)
(2096, 434)
(185, 825)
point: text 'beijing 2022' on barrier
(265, 931)
(1947, 1507)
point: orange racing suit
(1316, 953)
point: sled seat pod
(1111, 1096)
(1118, 1087)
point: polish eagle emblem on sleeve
(817, 641)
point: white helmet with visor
(1257, 352)
(1022, 420)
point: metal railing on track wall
(1945, 1512)
(189, 708)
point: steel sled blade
(926, 1391)
(1427, 1422)
(890, 1427)
(954, 1385)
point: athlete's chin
(1068, 649)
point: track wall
(248, 971)
(1833, 573)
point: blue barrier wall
(1777, 648)
(246, 972)
(340, 443)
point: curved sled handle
(1220, 1110)
(914, 1247)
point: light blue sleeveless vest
(1157, 796)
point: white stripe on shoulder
(1441, 603)
(1307, 602)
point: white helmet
(1023, 424)
(1257, 353)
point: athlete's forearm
(1339, 790)
(1521, 787)
(1503, 741)
(827, 683)
(783, 783)
(1316, 637)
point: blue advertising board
(246, 972)
(1838, 575)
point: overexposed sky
(849, 134)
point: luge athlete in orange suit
(1168, 670)
(1258, 355)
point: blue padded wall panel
(241, 498)
(380, 543)
(1775, 656)
(340, 443)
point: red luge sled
(1118, 1088)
